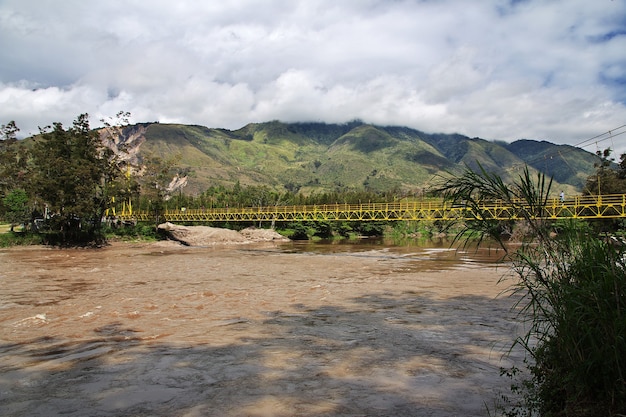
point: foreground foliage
(572, 288)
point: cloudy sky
(497, 69)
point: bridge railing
(582, 206)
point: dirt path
(161, 330)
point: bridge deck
(580, 207)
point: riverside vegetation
(573, 288)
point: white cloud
(496, 68)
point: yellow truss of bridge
(578, 207)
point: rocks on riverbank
(207, 236)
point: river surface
(294, 329)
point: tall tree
(13, 168)
(75, 178)
(608, 179)
(10, 157)
(159, 180)
(16, 207)
(9, 131)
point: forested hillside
(319, 157)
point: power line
(608, 132)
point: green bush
(301, 231)
(344, 229)
(323, 229)
(19, 238)
(139, 231)
(369, 228)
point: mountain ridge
(315, 157)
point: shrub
(572, 292)
(19, 238)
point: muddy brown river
(252, 330)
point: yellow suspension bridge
(578, 207)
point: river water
(294, 329)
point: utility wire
(609, 132)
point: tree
(621, 172)
(7, 155)
(608, 179)
(9, 131)
(75, 178)
(11, 158)
(13, 166)
(159, 180)
(16, 204)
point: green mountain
(566, 164)
(311, 157)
